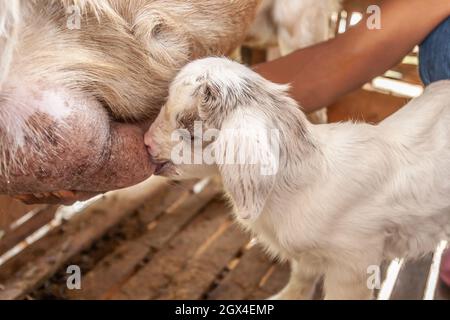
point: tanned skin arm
(320, 74)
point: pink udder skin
(68, 143)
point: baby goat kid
(333, 199)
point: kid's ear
(217, 101)
(248, 165)
(246, 159)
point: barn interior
(176, 240)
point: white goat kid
(344, 196)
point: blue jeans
(434, 55)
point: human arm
(322, 73)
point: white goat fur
(347, 196)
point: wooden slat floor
(188, 248)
